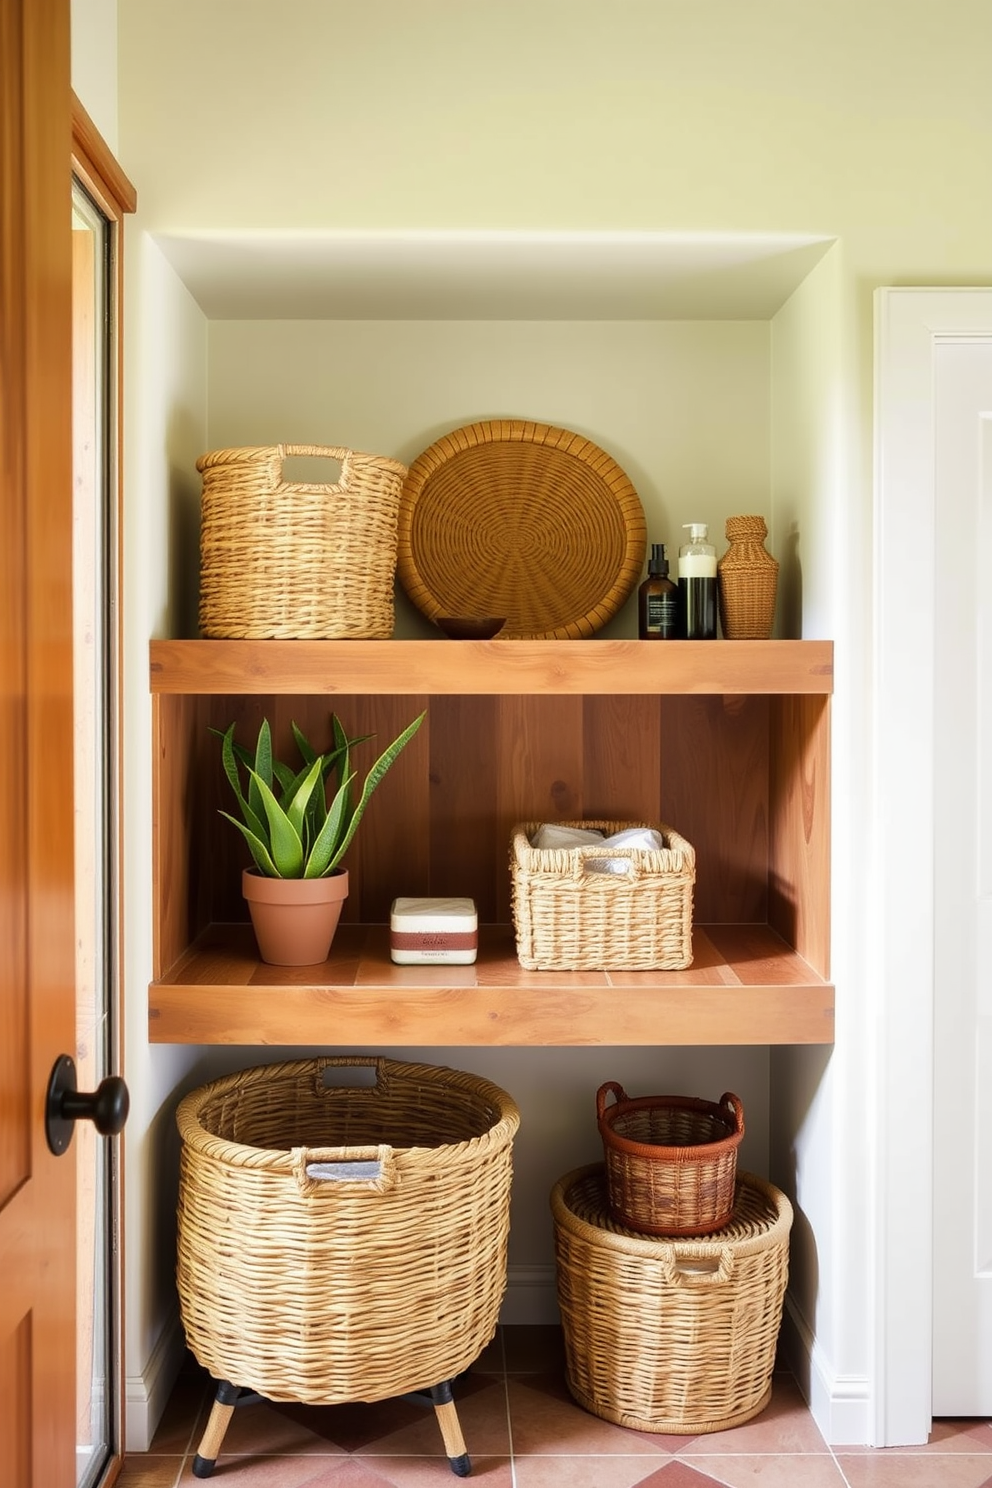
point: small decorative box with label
(441, 930)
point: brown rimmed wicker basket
(339, 1243)
(569, 918)
(297, 560)
(673, 1336)
(671, 1160)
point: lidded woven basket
(673, 1336)
(671, 1160)
(747, 576)
(297, 560)
(569, 917)
(339, 1243)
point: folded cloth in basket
(644, 838)
(552, 836)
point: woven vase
(747, 576)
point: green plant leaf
(322, 855)
(286, 845)
(372, 779)
(228, 757)
(307, 751)
(297, 803)
(259, 851)
(285, 777)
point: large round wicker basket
(339, 1243)
(672, 1336)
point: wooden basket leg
(223, 1409)
(451, 1431)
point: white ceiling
(491, 276)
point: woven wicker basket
(568, 918)
(339, 1243)
(296, 560)
(671, 1160)
(675, 1336)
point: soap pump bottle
(657, 600)
(697, 585)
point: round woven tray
(522, 520)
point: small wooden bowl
(470, 627)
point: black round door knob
(106, 1106)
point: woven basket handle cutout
(328, 1089)
(735, 1106)
(610, 1088)
(698, 1271)
(632, 863)
(332, 1169)
(324, 451)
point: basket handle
(346, 1061)
(633, 865)
(325, 451)
(698, 1271)
(610, 1088)
(736, 1107)
(327, 1169)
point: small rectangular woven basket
(297, 560)
(568, 917)
(671, 1160)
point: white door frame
(907, 324)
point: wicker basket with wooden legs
(342, 1243)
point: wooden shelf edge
(491, 667)
(219, 994)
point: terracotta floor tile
(587, 1472)
(287, 1472)
(787, 1471)
(907, 1469)
(523, 1429)
(546, 1424)
(427, 1472)
(530, 1350)
(785, 1425)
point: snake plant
(291, 830)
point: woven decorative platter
(520, 519)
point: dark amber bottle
(657, 600)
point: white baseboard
(840, 1404)
(147, 1394)
(530, 1296)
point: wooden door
(37, 1199)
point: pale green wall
(683, 406)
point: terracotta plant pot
(294, 919)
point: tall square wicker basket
(570, 917)
(672, 1336)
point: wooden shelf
(492, 667)
(728, 740)
(745, 986)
